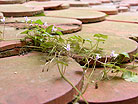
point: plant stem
(62, 75)
(89, 77)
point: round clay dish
(110, 10)
(123, 9)
(23, 81)
(17, 10)
(90, 16)
(68, 25)
(46, 5)
(93, 2)
(114, 91)
(79, 4)
(11, 1)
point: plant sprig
(59, 49)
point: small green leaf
(127, 74)
(59, 28)
(25, 32)
(100, 36)
(88, 40)
(29, 21)
(78, 38)
(83, 67)
(136, 55)
(59, 33)
(61, 40)
(49, 29)
(125, 54)
(109, 65)
(132, 79)
(39, 22)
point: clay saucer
(117, 43)
(123, 9)
(68, 25)
(132, 3)
(23, 81)
(93, 2)
(90, 16)
(10, 33)
(125, 17)
(110, 10)
(9, 46)
(11, 1)
(19, 10)
(105, 1)
(114, 91)
(124, 5)
(78, 4)
(46, 5)
(74, 3)
(113, 28)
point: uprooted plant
(58, 49)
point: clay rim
(85, 19)
(11, 2)
(34, 11)
(43, 6)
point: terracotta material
(5, 45)
(23, 82)
(39, 0)
(72, 3)
(131, 2)
(10, 33)
(68, 25)
(12, 48)
(63, 4)
(93, 2)
(125, 17)
(110, 10)
(112, 28)
(114, 91)
(90, 16)
(10, 52)
(124, 5)
(79, 59)
(49, 20)
(105, 1)
(45, 5)
(116, 41)
(18, 10)
(11, 1)
(79, 4)
(123, 9)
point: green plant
(59, 49)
